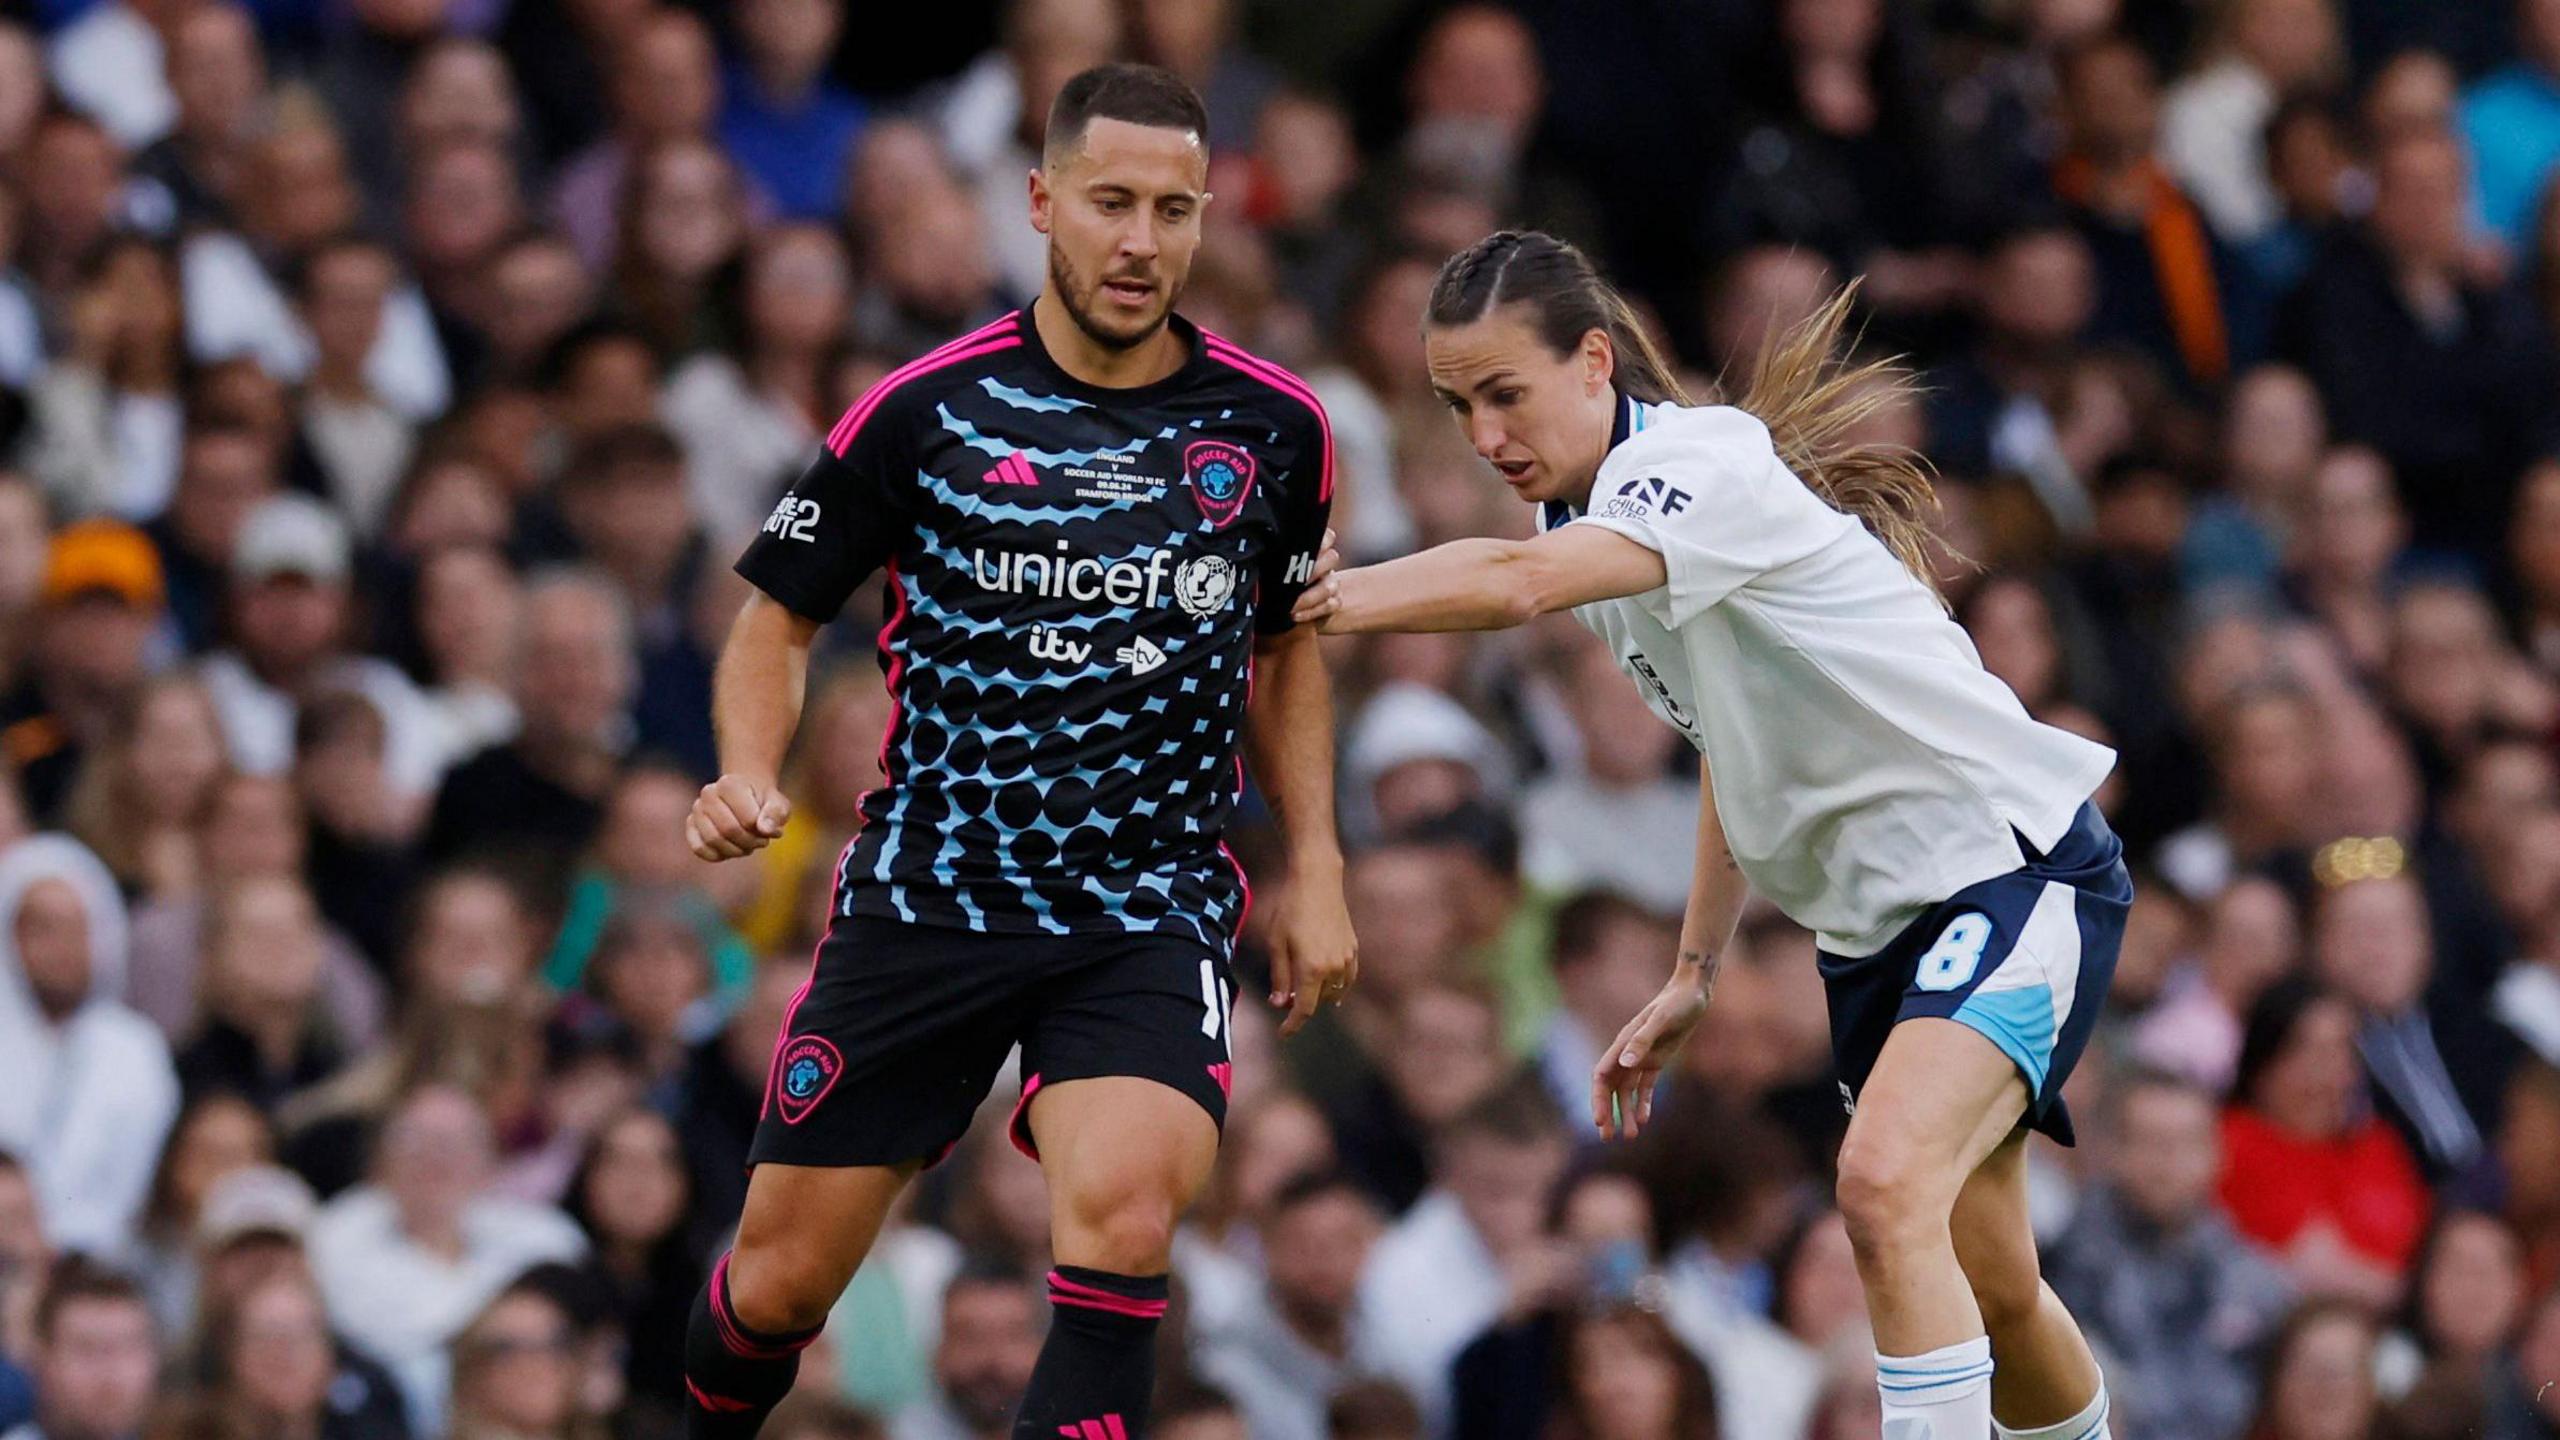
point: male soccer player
(1095, 519)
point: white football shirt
(1866, 766)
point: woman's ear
(1599, 361)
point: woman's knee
(1892, 1195)
(2007, 1296)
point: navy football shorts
(901, 1030)
(2024, 958)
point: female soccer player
(1764, 584)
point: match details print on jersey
(1075, 578)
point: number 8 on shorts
(1952, 961)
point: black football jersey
(1075, 578)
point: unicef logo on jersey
(805, 1070)
(1204, 584)
(1221, 477)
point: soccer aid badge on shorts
(809, 1065)
(1221, 476)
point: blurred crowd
(385, 386)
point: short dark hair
(983, 1271)
(1309, 1186)
(1584, 921)
(2144, 1077)
(560, 363)
(1518, 1113)
(807, 1414)
(302, 273)
(1138, 94)
(1371, 1410)
(608, 455)
(1483, 831)
(76, 1279)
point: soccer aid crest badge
(805, 1071)
(1221, 476)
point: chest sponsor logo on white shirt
(1644, 497)
(793, 519)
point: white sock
(1943, 1395)
(2089, 1424)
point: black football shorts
(901, 1030)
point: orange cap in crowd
(103, 555)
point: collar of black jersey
(1185, 376)
(1558, 512)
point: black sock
(1098, 1370)
(734, 1376)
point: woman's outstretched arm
(1486, 584)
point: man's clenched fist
(735, 816)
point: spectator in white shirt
(108, 64)
(108, 420)
(998, 114)
(1292, 1346)
(409, 1259)
(296, 196)
(1450, 1267)
(86, 1088)
(990, 1338)
(362, 445)
(2213, 123)
(292, 620)
(1609, 959)
(1627, 820)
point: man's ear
(1040, 201)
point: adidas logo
(1106, 1428)
(1141, 657)
(1011, 470)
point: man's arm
(1288, 740)
(1486, 584)
(755, 708)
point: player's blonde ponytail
(1812, 399)
(1809, 397)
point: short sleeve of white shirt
(1704, 488)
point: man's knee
(772, 1292)
(1121, 1226)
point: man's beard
(1079, 301)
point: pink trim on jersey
(1001, 335)
(1243, 883)
(897, 667)
(1225, 350)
